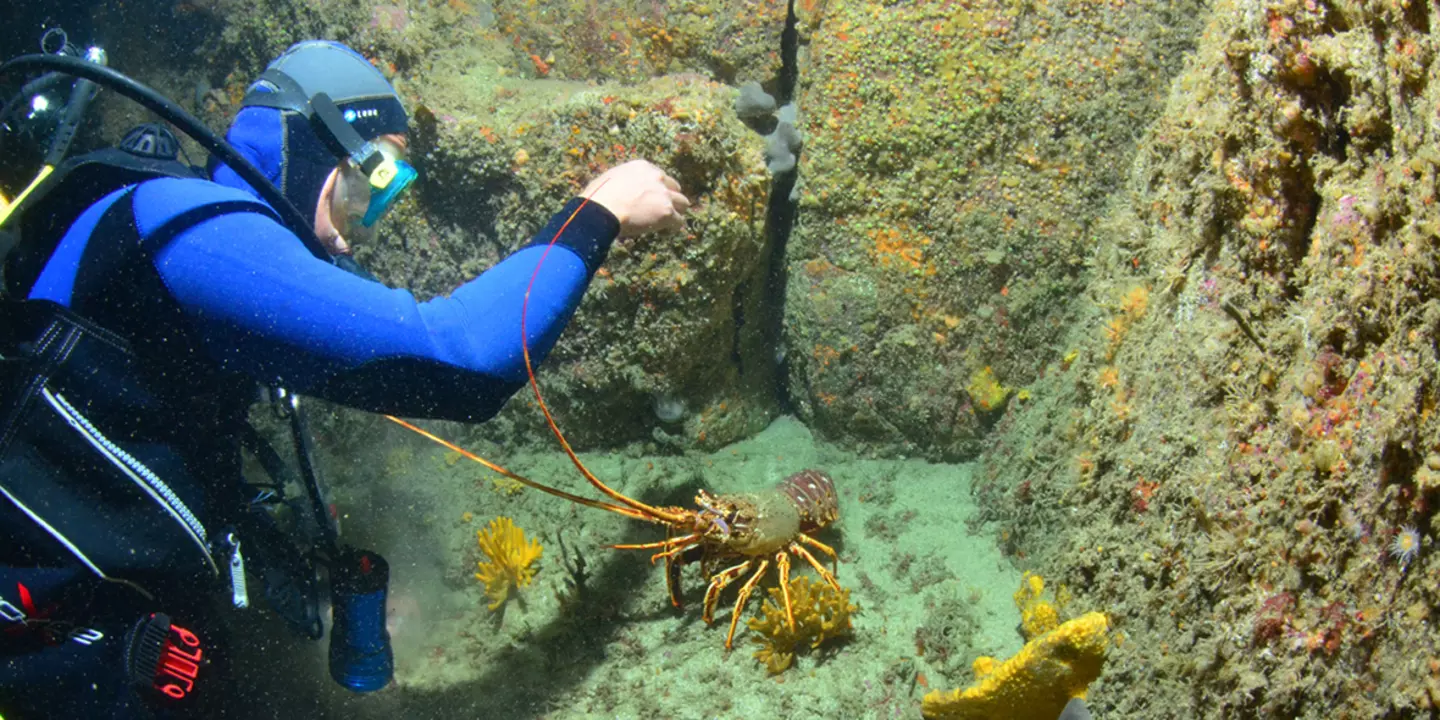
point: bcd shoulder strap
(36, 338)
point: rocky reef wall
(664, 347)
(1238, 453)
(957, 160)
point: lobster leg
(672, 582)
(745, 591)
(681, 545)
(834, 559)
(676, 546)
(672, 571)
(719, 582)
(674, 563)
(802, 552)
(782, 561)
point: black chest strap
(37, 338)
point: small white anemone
(669, 408)
(1406, 545)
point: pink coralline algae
(1346, 217)
(389, 17)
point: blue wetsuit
(262, 306)
(208, 293)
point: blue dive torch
(360, 655)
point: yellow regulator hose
(8, 207)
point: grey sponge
(753, 102)
(782, 145)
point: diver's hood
(275, 131)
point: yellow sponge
(986, 391)
(1037, 616)
(1036, 683)
(820, 614)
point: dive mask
(362, 198)
(387, 182)
(381, 162)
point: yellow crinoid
(511, 561)
(820, 614)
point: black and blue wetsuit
(258, 304)
(157, 314)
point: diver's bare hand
(642, 196)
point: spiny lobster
(729, 535)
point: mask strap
(275, 89)
(340, 138)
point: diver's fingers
(673, 220)
(670, 182)
(679, 200)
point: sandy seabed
(906, 555)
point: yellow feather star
(512, 559)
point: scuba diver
(143, 306)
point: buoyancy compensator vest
(147, 152)
(100, 456)
(93, 461)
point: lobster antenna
(527, 482)
(653, 513)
